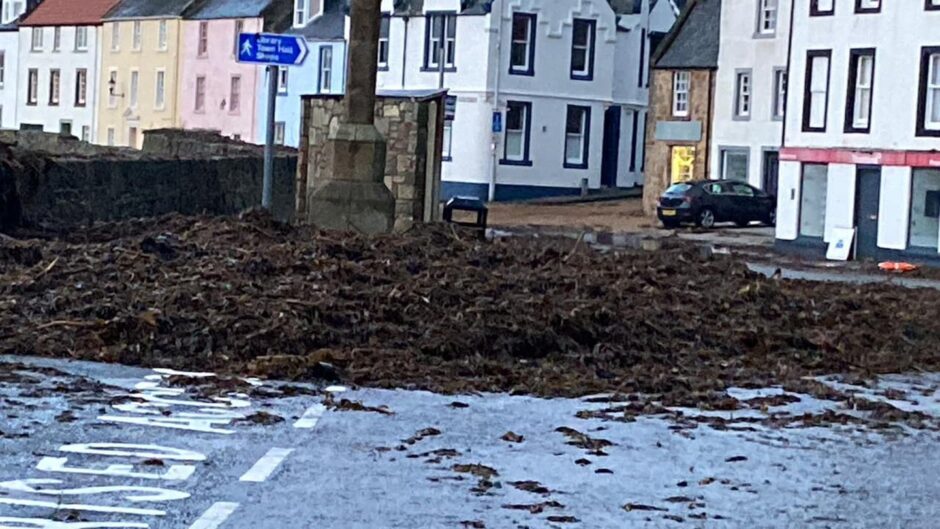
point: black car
(712, 201)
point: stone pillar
(352, 195)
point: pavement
(85, 446)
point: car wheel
(705, 219)
(771, 219)
(670, 224)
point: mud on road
(439, 310)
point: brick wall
(659, 153)
(410, 128)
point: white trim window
(81, 38)
(162, 36)
(518, 121)
(523, 42)
(116, 36)
(576, 136)
(767, 17)
(56, 38)
(280, 132)
(680, 93)
(326, 70)
(3, 67)
(816, 98)
(239, 29)
(36, 39)
(55, 86)
(301, 13)
(447, 140)
(200, 99)
(81, 87)
(12, 9)
(110, 140)
(742, 97)
(86, 133)
(437, 25)
(235, 95)
(932, 110)
(861, 111)
(112, 88)
(780, 93)
(384, 30)
(134, 88)
(582, 49)
(136, 36)
(32, 87)
(159, 98)
(203, 46)
(282, 80)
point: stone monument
(352, 195)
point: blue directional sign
(497, 122)
(268, 48)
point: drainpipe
(783, 132)
(404, 52)
(494, 164)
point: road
(77, 452)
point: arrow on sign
(268, 48)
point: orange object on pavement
(890, 266)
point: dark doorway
(611, 152)
(771, 172)
(867, 200)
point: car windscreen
(678, 189)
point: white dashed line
(336, 389)
(266, 465)
(215, 516)
(310, 417)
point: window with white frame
(742, 95)
(734, 162)
(162, 36)
(200, 100)
(3, 67)
(933, 5)
(780, 93)
(280, 132)
(32, 87)
(384, 29)
(116, 36)
(577, 126)
(135, 88)
(858, 101)
(12, 9)
(447, 140)
(136, 36)
(816, 94)
(680, 93)
(326, 69)
(235, 94)
(203, 46)
(929, 119)
(282, 80)
(36, 40)
(86, 133)
(522, 48)
(582, 49)
(159, 98)
(301, 12)
(867, 6)
(518, 120)
(110, 140)
(440, 36)
(81, 38)
(767, 17)
(925, 208)
(112, 88)
(56, 38)
(81, 87)
(55, 86)
(239, 29)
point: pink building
(217, 92)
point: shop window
(683, 163)
(813, 200)
(925, 208)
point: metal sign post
(275, 51)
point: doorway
(771, 172)
(867, 203)
(610, 157)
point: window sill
(381, 68)
(851, 129)
(582, 77)
(435, 69)
(760, 35)
(518, 163)
(446, 159)
(523, 73)
(926, 132)
(579, 166)
(736, 117)
(814, 129)
(776, 118)
(868, 11)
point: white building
(862, 134)
(10, 14)
(58, 67)
(550, 93)
(750, 101)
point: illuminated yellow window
(683, 163)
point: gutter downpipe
(404, 52)
(783, 131)
(494, 165)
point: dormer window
(301, 12)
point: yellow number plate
(669, 213)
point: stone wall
(659, 153)
(71, 188)
(411, 128)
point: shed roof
(69, 13)
(694, 39)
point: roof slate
(149, 9)
(694, 40)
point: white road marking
(58, 506)
(310, 417)
(265, 466)
(215, 516)
(172, 473)
(38, 523)
(133, 450)
(132, 493)
(336, 389)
